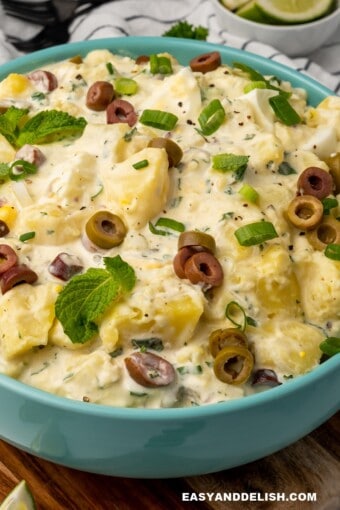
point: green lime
(252, 12)
(20, 498)
(294, 11)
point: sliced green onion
(230, 163)
(253, 75)
(160, 64)
(110, 68)
(330, 346)
(159, 119)
(284, 111)
(286, 169)
(332, 251)
(172, 224)
(254, 85)
(126, 86)
(236, 314)
(328, 204)
(211, 117)
(249, 193)
(20, 168)
(190, 369)
(255, 233)
(26, 236)
(141, 164)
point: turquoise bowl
(164, 443)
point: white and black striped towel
(154, 17)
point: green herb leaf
(185, 30)
(85, 298)
(332, 251)
(330, 346)
(230, 163)
(26, 236)
(286, 169)
(9, 123)
(284, 111)
(328, 204)
(154, 343)
(49, 126)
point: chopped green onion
(137, 394)
(116, 352)
(234, 309)
(190, 369)
(255, 233)
(159, 119)
(153, 343)
(26, 236)
(172, 224)
(160, 64)
(211, 117)
(126, 86)
(253, 75)
(141, 164)
(169, 224)
(332, 251)
(20, 168)
(254, 85)
(249, 193)
(328, 204)
(286, 169)
(330, 346)
(230, 163)
(258, 77)
(110, 68)
(284, 111)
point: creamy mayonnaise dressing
(289, 289)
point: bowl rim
(125, 46)
(293, 27)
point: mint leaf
(9, 123)
(121, 271)
(49, 126)
(86, 297)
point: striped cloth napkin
(154, 17)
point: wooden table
(310, 465)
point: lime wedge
(20, 498)
(294, 11)
(252, 12)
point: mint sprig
(44, 127)
(86, 297)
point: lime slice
(20, 498)
(252, 12)
(294, 11)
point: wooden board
(310, 465)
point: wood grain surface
(310, 465)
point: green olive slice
(327, 232)
(196, 238)
(333, 163)
(234, 364)
(105, 229)
(221, 338)
(173, 150)
(305, 212)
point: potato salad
(170, 234)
